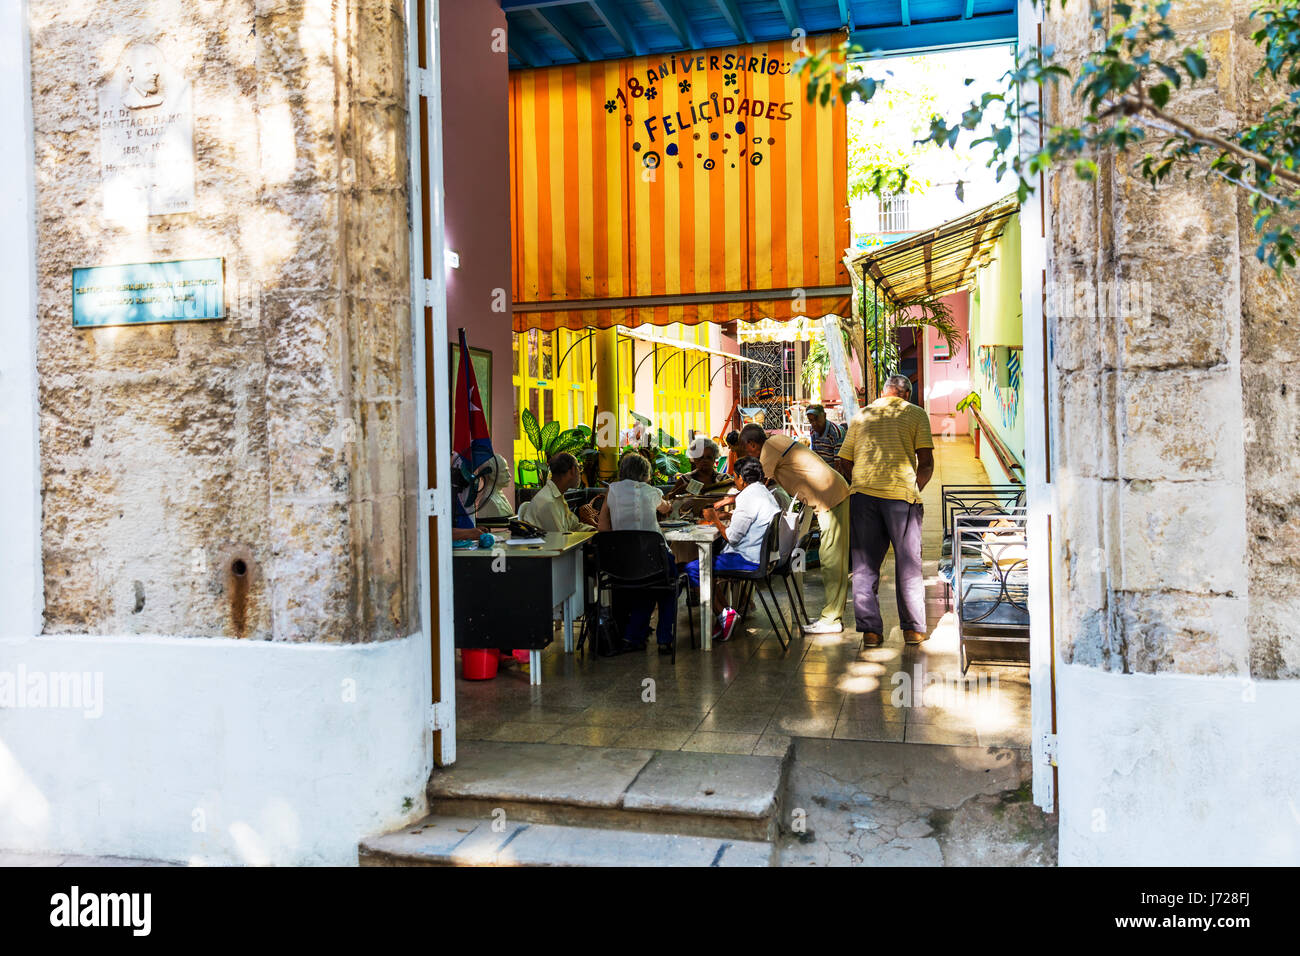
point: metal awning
(554, 32)
(643, 336)
(940, 260)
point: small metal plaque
(185, 290)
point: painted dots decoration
(671, 149)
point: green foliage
(817, 363)
(1127, 87)
(665, 463)
(549, 441)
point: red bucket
(479, 664)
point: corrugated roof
(552, 32)
(940, 260)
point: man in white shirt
(548, 509)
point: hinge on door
(432, 504)
(1049, 748)
(426, 82)
(441, 715)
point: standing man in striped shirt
(826, 435)
(892, 453)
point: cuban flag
(471, 439)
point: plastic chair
(638, 560)
(771, 555)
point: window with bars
(895, 213)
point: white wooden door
(1038, 457)
(429, 318)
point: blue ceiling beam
(907, 14)
(846, 15)
(562, 27)
(731, 13)
(680, 23)
(611, 16)
(943, 35)
(523, 49)
(790, 10)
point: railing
(1006, 457)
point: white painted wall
(213, 750)
(1165, 770)
(20, 558)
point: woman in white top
(632, 504)
(756, 509)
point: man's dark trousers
(875, 524)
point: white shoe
(823, 627)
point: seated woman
(755, 511)
(548, 509)
(703, 468)
(632, 504)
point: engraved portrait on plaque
(146, 136)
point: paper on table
(526, 541)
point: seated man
(548, 509)
(755, 511)
(703, 467)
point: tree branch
(1177, 126)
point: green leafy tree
(1127, 89)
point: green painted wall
(995, 339)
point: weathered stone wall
(284, 436)
(1176, 431)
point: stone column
(252, 477)
(606, 342)
(1177, 472)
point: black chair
(771, 559)
(638, 560)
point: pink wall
(721, 397)
(476, 166)
(946, 383)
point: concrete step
(719, 796)
(475, 841)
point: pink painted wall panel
(476, 168)
(948, 381)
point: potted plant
(972, 401)
(548, 441)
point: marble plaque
(146, 136)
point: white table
(495, 607)
(701, 536)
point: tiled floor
(747, 696)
